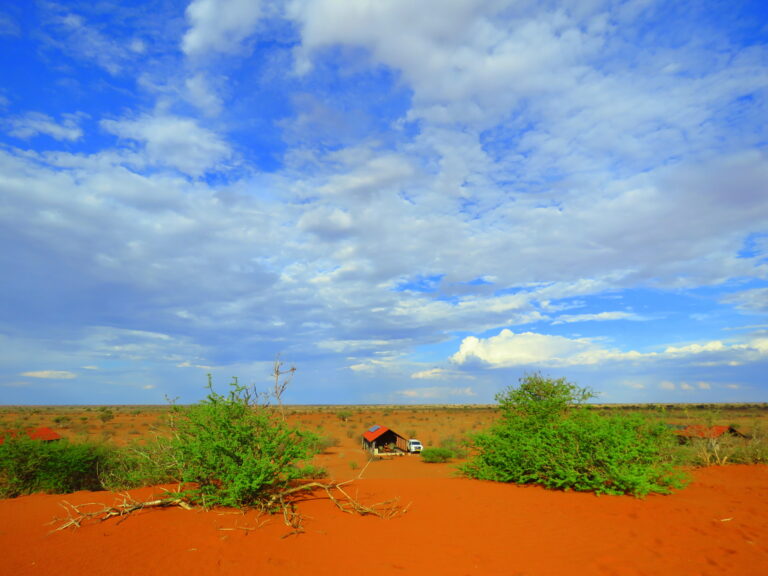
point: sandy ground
(453, 526)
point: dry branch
(285, 501)
(79, 513)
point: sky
(410, 202)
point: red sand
(717, 526)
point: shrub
(547, 436)
(237, 452)
(436, 455)
(28, 466)
(105, 414)
(723, 450)
(135, 465)
(344, 415)
(456, 446)
(321, 444)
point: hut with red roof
(43, 434)
(687, 433)
(381, 441)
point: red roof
(699, 431)
(43, 433)
(372, 433)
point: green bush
(105, 414)
(28, 466)
(547, 435)
(236, 452)
(457, 446)
(436, 455)
(321, 444)
(138, 465)
(344, 415)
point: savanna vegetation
(242, 449)
(548, 435)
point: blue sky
(411, 202)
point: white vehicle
(414, 446)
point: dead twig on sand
(79, 513)
(285, 502)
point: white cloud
(328, 223)
(528, 348)
(635, 385)
(173, 141)
(74, 35)
(34, 124)
(51, 374)
(437, 374)
(598, 317)
(714, 346)
(436, 393)
(667, 385)
(465, 60)
(219, 26)
(755, 300)
(509, 349)
(202, 95)
(347, 346)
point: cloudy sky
(409, 201)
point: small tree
(235, 451)
(547, 435)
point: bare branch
(280, 387)
(285, 501)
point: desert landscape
(445, 524)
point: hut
(686, 433)
(43, 434)
(380, 441)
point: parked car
(414, 446)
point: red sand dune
(454, 526)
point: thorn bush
(547, 435)
(236, 451)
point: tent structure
(686, 433)
(44, 434)
(379, 440)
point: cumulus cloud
(180, 143)
(525, 349)
(509, 349)
(465, 60)
(219, 26)
(50, 374)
